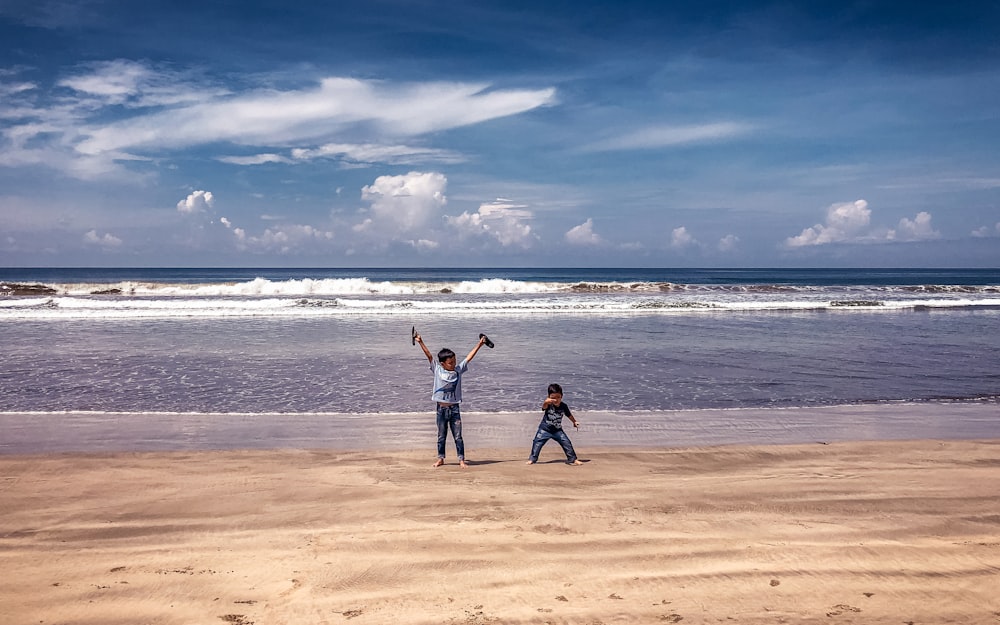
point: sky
(421, 133)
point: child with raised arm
(447, 394)
(551, 426)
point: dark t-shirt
(553, 416)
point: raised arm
(427, 352)
(475, 350)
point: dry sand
(873, 532)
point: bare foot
(530, 462)
(439, 462)
(575, 463)
(462, 464)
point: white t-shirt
(448, 384)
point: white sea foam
(268, 305)
(331, 297)
(308, 287)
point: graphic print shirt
(448, 384)
(552, 419)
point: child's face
(449, 364)
(555, 397)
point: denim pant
(543, 435)
(450, 416)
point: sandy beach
(863, 532)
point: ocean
(623, 341)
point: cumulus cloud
(196, 202)
(583, 234)
(843, 223)
(850, 222)
(501, 220)
(916, 229)
(107, 240)
(680, 238)
(404, 204)
(986, 231)
(728, 243)
(284, 240)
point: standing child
(551, 426)
(447, 393)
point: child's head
(555, 389)
(447, 359)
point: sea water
(312, 341)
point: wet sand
(27, 433)
(844, 532)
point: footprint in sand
(296, 584)
(839, 609)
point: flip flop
(413, 335)
(486, 341)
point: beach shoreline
(844, 532)
(70, 432)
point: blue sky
(422, 133)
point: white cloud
(986, 231)
(728, 243)
(502, 220)
(196, 202)
(123, 110)
(270, 117)
(680, 238)
(376, 153)
(283, 240)
(108, 240)
(843, 223)
(850, 223)
(11, 89)
(123, 82)
(425, 245)
(917, 229)
(256, 159)
(661, 136)
(403, 204)
(583, 234)
(112, 81)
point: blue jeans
(543, 435)
(450, 417)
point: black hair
(555, 388)
(445, 354)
